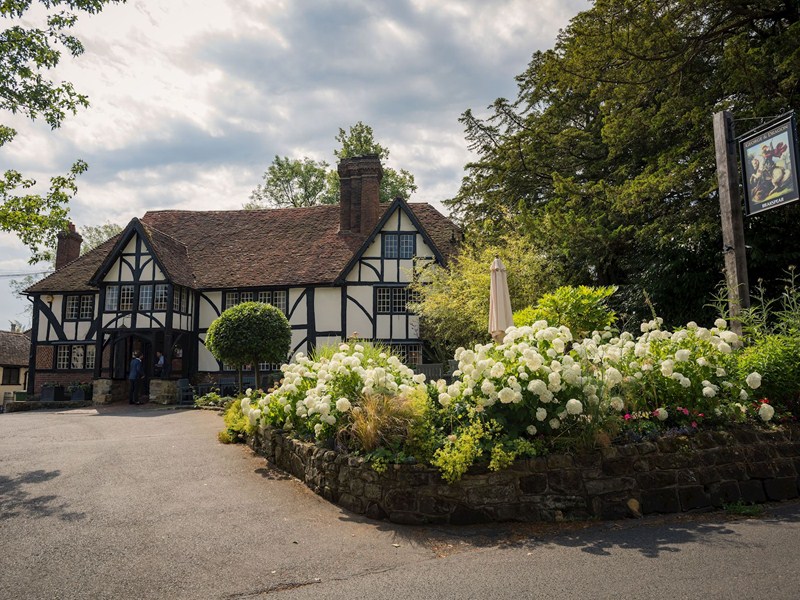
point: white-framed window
(383, 300)
(409, 354)
(62, 357)
(72, 308)
(126, 297)
(399, 245)
(176, 299)
(161, 297)
(391, 300)
(279, 300)
(231, 299)
(145, 297)
(407, 243)
(87, 307)
(112, 298)
(90, 353)
(246, 297)
(265, 297)
(185, 300)
(390, 245)
(399, 298)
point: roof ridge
(165, 234)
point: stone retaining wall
(673, 474)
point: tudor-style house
(157, 286)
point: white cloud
(191, 100)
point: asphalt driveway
(143, 502)
(133, 502)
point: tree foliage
(306, 182)
(250, 333)
(454, 302)
(606, 156)
(27, 55)
(292, 182)
(94, 235)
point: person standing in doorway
(135, 375)
(158, 368)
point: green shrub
(582, 309)
(777, 359)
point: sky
(191, 101)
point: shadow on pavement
(16, 500)
(651, 536)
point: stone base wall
(106, 391)
(163, 391)
(673, 474)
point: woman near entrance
(135, 375)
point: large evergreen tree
(606, 156)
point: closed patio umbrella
(500, 315)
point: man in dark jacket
(135, 375)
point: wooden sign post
(730, 205)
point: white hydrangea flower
(531, 429)
(574, 407)
(343, 405)
(709, 392)
(753, 380)
(554, 423)
(617, 404)
(724, 347)
(506, 395)
(666, 367)
(444, 399)
(683, 355)
(661, 414)
(541, 414)
(766, 412)
(720, 323)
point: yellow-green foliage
(457, 455)
(237, 426)
(582, 309)
(454, 302)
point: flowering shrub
(538, 388)
(316, 394)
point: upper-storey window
(112, 297)
(399, 245)
(72, 308)
(161, 297)
(87, 307)
(126, 297)
(145, 297)
(176, 299)
(278, 298)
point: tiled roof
(14, 349)
(248, 248)
(74, 276)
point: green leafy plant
(582, 309)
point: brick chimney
(69, 246)
(359, 193)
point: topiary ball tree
(250, 333)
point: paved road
(141, 502)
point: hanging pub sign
(768, 158)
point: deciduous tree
(27, 56)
